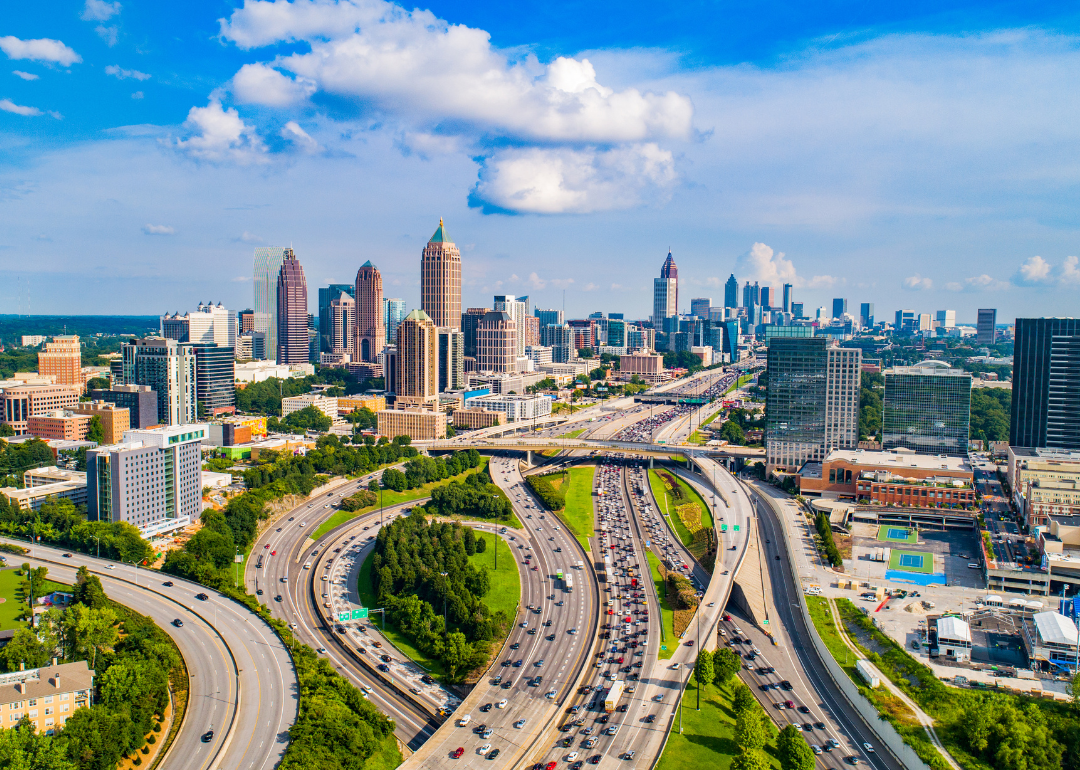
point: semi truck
(569, 580)
(611, 700)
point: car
(804, 709)
(815, 748)
(819, 725)
(278, 598)
(868, 748)
(807, 727)
(168, 584)
(501, 704)
(658, 697)
(201, 597)
(690, 643)
(851, 760)
(485, 748)
(494, 753)
(321, 650)
(576, 765)
(571, 756)
(208, 735)
(178, 622)
(110, 566)
(66, 555)
(550, 694)
(384, 668)
(517, 663)
(486, 707)
(458, 752)
(629, 754)
(284, 580)
(507, 685)
(515, 645)
(550, 766)
(519, 724)
(540, 663)
(833, 743)
(593, 760)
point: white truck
(569, 581)
(611, 700)
(869, 673)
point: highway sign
(360, 614)
(736, 527)
(723, 527)
(766, 621)
(343, 616)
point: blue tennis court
(898, 534)
(911, 560)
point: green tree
(95, 738)
(95, 431)
(703, 672)
(750, 760)
(793, 750)
(92, 631)
(456, 652)
(23, 748)
(27, 649)
(726, 664)
(750, 730)
(742, 699)
(88, 590)
(732, 433)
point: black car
(178, 623)
(201, 597)
(594, 759)
(650, 718)
(66, 555)
(507, 685)
(167, 584)
(494, 753)
(208, 736)
(515, 645)
(277, 598)
(426, 679)
(383, 667)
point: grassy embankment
(577, 485)
(687, 511)
(667, 613)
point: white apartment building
(328, 405)
(515, 407)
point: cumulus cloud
(248, 237)
(138, 95)
(918, 283)
(300, 138)
(24, 75)
(220, 135)
(259, 84)
(122, 74)
(158, 230)
(9, 106)
(545, 180)
(42, 49)
(99, 10)
(773, 268)
(1036, 271)
(982, 282)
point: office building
(370, 324)
(45, 696)
(731, 291)
(293, 340)
(927, 409)
(517, 309)
(773, 330)
(61, 425)
(560, 338)
(496, 343)
(62, 359)
(215, 380)
(548, 318)
(115, 420)
(1044, 483)
(394, 311)
(670, 272)
(648, 366)
(210, 324)
(839, 307)
(986, 326)
(751, 294)
(532, 330)
(440, 280)
(797, 310)
(539, 355)
(515, 407)
(268, 262)
(21, 402)
(342, 313)
(168, 368)
(141, 402)
(152, 480)
(451, 359)
(245, 321)
(766, 297)
(866, 315)
(787, 298)
(328, 294)
(906, 321)
(250, 346)
(666, 294)
(417, 381)
(616, 333)
(417, 424)
(945, 319)
(471, 419)
(1046, 383)
(470, 322)
(890, 477)
(328, 405)
(699, 306)
(812, 401)
(388, 360)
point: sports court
(912, 561)
(890, 533)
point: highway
(243, 685)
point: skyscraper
(787, 297)
(210, 324)
(670, 271)
(699, 306)
(986, 329)
(342, 313)
(548, 317)
(215, 380)
(560, 338)
(766, 297)
(168, 367)
(927, 408)
(268, 261)
(328, 294)
(394, 313)
(751, 294)
(417, 361)
(1046, 383)
(370, 326)
(666, 295)
(451, 359)
(470, 321)
(496, 342)
(731, 292)
(440, 280)
(516, 308)
(293, 341)
(866, 315)
(839, 307)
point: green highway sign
(663, 646)
(723, 527)
(346, 615)
(766, 621)
(736, 527)
(360, 614)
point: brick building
(897, 477)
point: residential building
(328, 294)
(471, 419)
(40, 484)
(890, 477)
(1043, 481)
(417, 379)
(168, 368)
(842, 393)
(328, 405)
(245, 321)
(210, 324)
(62, 359)
(440, 280)
(347, 404)
(559, 337)
(517, 310)
(370, 323)
(250, 346)
(539, 355)
(342, 313)
(46, 696)
(18, 403)
(699, 306)
(152, 479)
(293, 340)
(986, 326)
(268, 262)
(451, 359)
(787, 298)
(141, 402)
(547, 318)
(927, 408)
(515, 407)
(215, 380)
(866, 315)
(839, 307)
(583, 333)
(1046, 383)
(496, 343)
(417, 424)
(115, 420)
(532, 330)
(63, 425)
(394, 311)
(32, 340)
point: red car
(458, 752)
(690, 643)
(273, 553)
(550, 766)
(534, 569)
(727, 617)
(266, 546)
(626, 619)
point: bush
(554, 499)
(151, 739)
(361, 499)
(157, 727)
(824, 529)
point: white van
(464, 721)
(974, 566)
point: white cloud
(99, 10)
(773, 268)
(158, 230)
(9, 106)
(24, 75)
(300, 138)
(122, 74)
(259, 84)
(220, 135)
(1070, 271)
(42, 49)
(918, 283)
(138, 95)
(109, 34)
(247, 237)
(412, 64)
(982, 282)
(822, 282)
(561, 180)
(1036, 271)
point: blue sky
(914, 155)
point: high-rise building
(394, 310)
(945, 319)
(1046, 383)
(268, 261)
(532, 331)
(62, 358)
(751, 294)
(616, 334)
(215, 380)
(328, 294)
(168, 368)
(797, 309)
(153, 480)
(245, 321)
(560, 339)
(140, 400)
(731, 292)
(787, 297)
(370, 325)
(516, 308)
(293, 340)
(927, 408)
(699, 306)
(21, 402)
(342, 313)
(839, 307)
(986, 328)
(906, 321)
(670, 271)
(496, 343)
(210, 324)
(766, 297)
(866, 315)
(451, 359)
(440, 280)
(548, 317)
(470, 322)
(812, 401)
(664, 292)
(417, 361)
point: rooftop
(47, 680)
(953, 628)
(1055, 628)
(899, 459)
(440, 235)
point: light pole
(98, 541)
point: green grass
(573, 433)
(883, 534)
(578, 513)
(667, 614)
(505, 591)
(927, 567)
(14, 601)
(824, 622)
(739, 383)
(666, 501)
(391, 498)
(708, 737)
(387, 757)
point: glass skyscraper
(268, 261)
(927, 408)
(328, 294)
(394, 311)
(215, 380)
(1046, 384)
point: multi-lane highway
(243, 685)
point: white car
(571, 756)
(550, 694)
(868, 748)
(676, 666)
(485, 748)
(501, 704)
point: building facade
(927, 408)
(986, 326)
(417, 380)
(293, 340)
(700, 307)
(370, 323)
(61, 425)
(670, 272)
(1043, 481)
(46, 696)
(496, 343)
(517, 309)
(328, 294)
(342, 313)
(451, 359)
(515, 407)
(215, 380)
(268, 262)
(62, 359)
(394, 312)
(731, 292)
(141, 401)
(1046, 384)
(898, 477)
(168, 368)
(21, 402)
(417, 424)
(115, 420)
(440, 280)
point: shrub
(554, 499)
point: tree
(88, 590)
(750, 760)
(456, 652)
(23, 748)
(95, 739)
(726, 664)
(793, 750)
(27, 649)
(750, 730)
(703, 672)
(1074, 690)
(732, 433)
(742, 699)
(95, 431)
(91, 631)
(481, 545)
(585, 353)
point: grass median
(667, 613)
(577, 486)
(668, 502)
